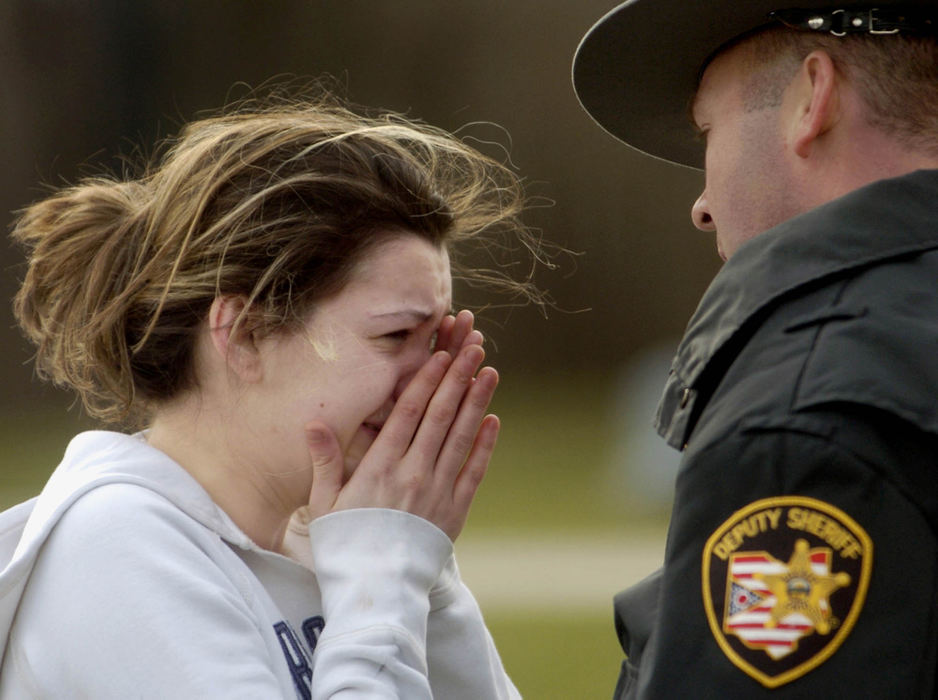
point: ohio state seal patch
(784, 580)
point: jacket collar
(883, 220)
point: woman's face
(352, 359)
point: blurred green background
(576, 499)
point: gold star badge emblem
(801, 590)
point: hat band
(859, 21)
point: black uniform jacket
(801, 559)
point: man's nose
(700, 214)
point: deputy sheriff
(802, 558)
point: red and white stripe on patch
(750, 603)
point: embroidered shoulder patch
(784, 580)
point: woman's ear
(234, 342)
(816, 102)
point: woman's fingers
(445, 404)
(471, 475)
(462, 326)
(398, 432)
(456, 332)
(328, 469)
(463, 333)
(465, 427)
(444, 333)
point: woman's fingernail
(475, 353)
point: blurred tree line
(85, 81)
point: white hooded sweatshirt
(123, 579)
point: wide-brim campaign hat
(636, 70)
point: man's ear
(235, 345)
(816, 102)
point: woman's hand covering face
(432, 452)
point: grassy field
(559, 658)
(545, 481)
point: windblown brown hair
(276, 203)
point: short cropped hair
(275, 200)
(896, 75)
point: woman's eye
(399, 335)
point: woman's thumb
(328, 467)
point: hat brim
(636, 70)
